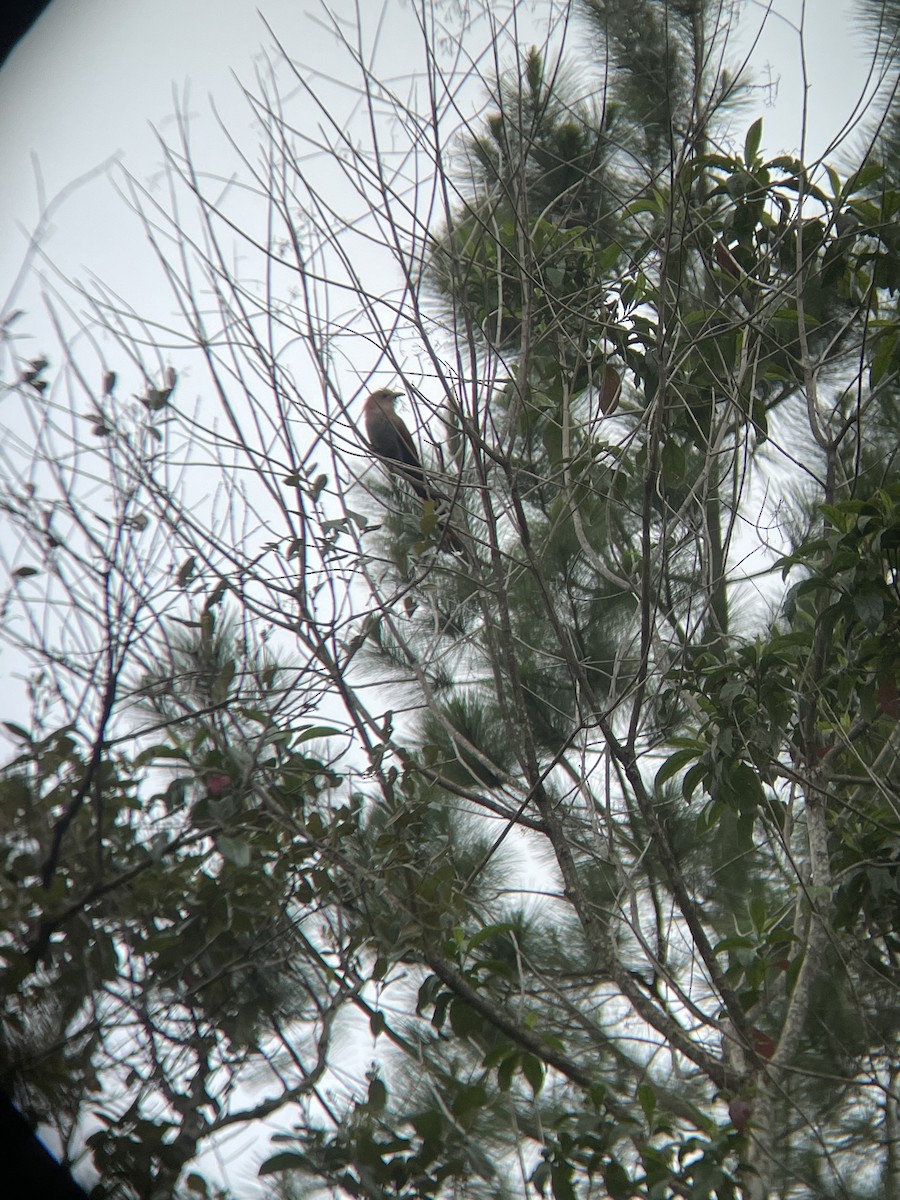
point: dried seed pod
(726, 259)
(610, 389)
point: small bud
(740, 1111)
(762, 1043)
(218, 783)
(109, 383)
(888, 697)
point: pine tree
(661, 330)
(599, 851)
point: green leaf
(561, 1182)
(869, 607)
(317, 486)
(506, 1070)
(675, 762)
(316, 731)
(862, 178)
(757, 909)
(533, 1070)
(429, 520)
(17, 731)
(673, 462)
(223, 681)
(234, 850)
(710, 816)
(785, 163)
(151, 753)
(427, 1125)
(642, 206)
(718, 162)
(360, 520)
(746, 787)
(760, 419)
(647, 1100)
(692, 780)
(539, 1177)
(884, 355)
(618, 1185)
(466, 1022)
(734, 942)
(490, 931)
(377, 1023)
(285, 1160)
(469, 1098)
(377, 1094)
(752, 141)
(552, 438)
(186, 571)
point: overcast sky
(90, 79)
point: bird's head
(385, 399)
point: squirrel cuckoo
(391, 442)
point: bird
(391, 442)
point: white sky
(93, 76)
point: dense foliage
(565, 863)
